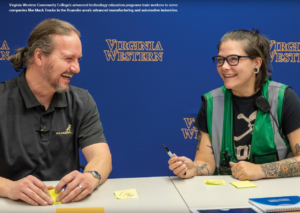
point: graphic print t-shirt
(245, 112)
(244, 115)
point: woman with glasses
(250, 126)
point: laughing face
(63, 62)
(240, 78)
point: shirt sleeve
(91, 130)
(201, 122)
(291, 112)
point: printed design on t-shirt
(67, 132)
(252, 117)
(243, 151)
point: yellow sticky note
(243, 184)
(54, 196)
(215, 182)
(81, 210)
(126, 194)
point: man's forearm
(285, 168)
(102, 165)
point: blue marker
(63, 188)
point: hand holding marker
(170, 154)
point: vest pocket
(268, 158)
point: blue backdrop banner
(147, 63)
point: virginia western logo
(285, 52)
(4, 50)
(133, 50)
(190, 132)
(67, 132)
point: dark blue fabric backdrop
(144, 104)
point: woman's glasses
(232, 60)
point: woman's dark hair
(255, 45)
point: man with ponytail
(44, 121)
(250, 127)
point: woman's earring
(255, 70)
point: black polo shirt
(44, 143)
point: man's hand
(246, 171)
(73, 191)
(31, 190)
(180, 165)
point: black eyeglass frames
(232, 60)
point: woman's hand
(246, 171)
(183, 167)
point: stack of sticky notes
(126, 194)
(243, 184)
(54, 196)
(215, 182)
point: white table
(167, 194)
(156, 194)
(197, 194)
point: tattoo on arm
(297, 148)
(286, 168)
(212, 150)
(201, 168)
(199, 140)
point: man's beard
(55, 83)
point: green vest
(266, 145)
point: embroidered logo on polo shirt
(67, 132)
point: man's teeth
(228, 76)
(66, 76)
